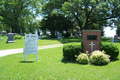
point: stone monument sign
(31, 45)
(10, 38)
(91, 40)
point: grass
(45, 41)
(52, 66)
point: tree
(92, 14)
(56, 22)
(51, 6)
(14, 12)
(118, 27)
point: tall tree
(56, 22)
(92, 14)
(14, 11)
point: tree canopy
(89, 14)
(93, 13)
(56, 22)
(15, 12)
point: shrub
(82, 58)
(110, 49)
(70, 50)
(99, 58)
(82, 46)
(105, 39)
(17, 37)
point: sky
(109, 32)
(39, 17)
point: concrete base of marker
(116, 40)
(59, 37)
(10, 41)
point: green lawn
(51, 66)
(45, 41)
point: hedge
(110, 49)
(71, 50)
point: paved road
(20, 50)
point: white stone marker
(31, 45)
(112, 40)
(91, 46)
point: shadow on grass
(72, 61)
(114, 60)
(27, 61)
(68, 61)
(99, 64)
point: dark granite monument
(10, 38)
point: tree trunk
(80, 25)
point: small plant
(87, 53)
(17, 37)
(99, 58)
(82, 58)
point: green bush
(70, 50)
(104, 39)
(82, 58)
(82, 46)
(99, 58)
(17, 37)
(110, 49)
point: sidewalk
(20, 50)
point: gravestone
(76, 35)
(115, 38)
(112, 39)
(72, 35)
(55, 33)
(39, 35)
(3, 33)
(91, 40)
(59, 36)
(31, 45)
(47, 33)
(21, 34)
(10, 38)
